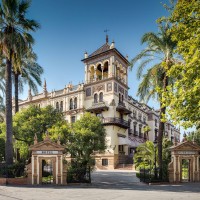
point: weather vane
(106, 31)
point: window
(144, 119)
(104, 162)
(134, 113)
(156, 122)
(140, 131)
(121, 148)
(95, 98)
(140, 116)
(57, 106)
(75, 103)
(101, 97)
(61, 106)
(119, 97)
(122, 98)
(99, 115)
(73, 119)
(71, 104)
(134, 129)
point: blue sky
(70, 27)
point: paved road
(106, 185)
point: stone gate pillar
(46, 150)
(185, 150)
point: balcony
(97, 107)
(122, 108)
(115, 121)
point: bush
(12, 171)
(78, 175)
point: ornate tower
(106, 95)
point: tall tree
(159, 53)
(87, 136)
(29, 72)
(15, 39)
(183, 97)
(2, 91)
(2, 76)
(2, 110)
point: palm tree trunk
(16, 92)
(160, 139)
(161, 128)
(9, 133)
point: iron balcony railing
(99, 78)
(122, 108)
(121, 104)
(115, 121)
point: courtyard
(105, 185)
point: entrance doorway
(185, 170)
(47, 171)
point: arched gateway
(184, 165)
(46, 163)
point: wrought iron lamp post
(155, 170)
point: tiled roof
(102, 49)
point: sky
(71, 27)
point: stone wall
(13, 181)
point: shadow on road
(124, 181)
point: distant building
(105, 94)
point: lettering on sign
(186, 152)
(46, 152)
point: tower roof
(105, 49)
(102, 49)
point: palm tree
(2, 89)
(145, 155)
(15, 39)
(159, 52)
(2, 110)
(28, 73)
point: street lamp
(155, 170)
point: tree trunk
(161, 128)
(9, 133)
(16, 92)
(160, 139)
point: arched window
(134, 128)
(57, 106)
(61, 106)
(119, 98)
(122, 98)
(71, 104)
(39, 105)
(75, 103)
(101, 97)
(96, 98)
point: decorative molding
(109, 87)
(115, 87)
(98, 88)
(88, 92)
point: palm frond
(141, 67)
